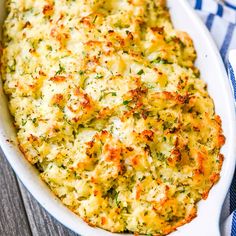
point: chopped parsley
(126, 102)
(61, 70)
(49, 47)
(114, 195)
(95, 18)
(23, 122)
(116, 198)
(12, 68)
(140, 72)
(161, 61)
(161, 156)
(98, 76)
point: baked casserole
(110, 108)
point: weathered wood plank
(13, 218)
(41, 222)
(20, 214)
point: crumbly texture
(110, 108)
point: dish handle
(232, 71)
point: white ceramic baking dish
(213, 72)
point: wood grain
(41, 222)
(13, 218)
(21, 214)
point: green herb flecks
(140, 72)
(61, 70)
(161, 61)
(98, 76)
(126, 102)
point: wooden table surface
(20, 214)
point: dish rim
(55, 207)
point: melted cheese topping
(110, 108)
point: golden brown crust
(109, 106)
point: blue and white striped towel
(220, 18)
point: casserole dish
(207, 59)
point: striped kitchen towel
(220, 18)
